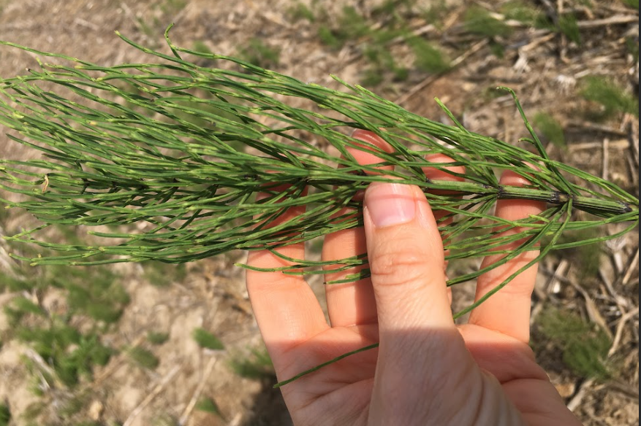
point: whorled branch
(183, 150)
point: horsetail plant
(181, 150)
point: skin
(427, 370)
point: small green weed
(5, 415)
(327, 37)
(497, 49)
(393, 7)
(570, 28)
(381, 62)
(427, 57)
(207, 340)
(567, 25)
(201, 47)
(19, 308)
(584, 347)
(14, 283)
(300, 11)
(164, 420)
(163, 274)
(520, 11)
(172, 6)
(610, 96)
(371, 77)
(260, 54)
(102, 298)
(550, 128)
(257, 366)
(156, 338)
(143, 357)
(351, 26)
(208, 405)
(70, 352)
(632, 46)
(479, 21)
(435, 13)
(634, 4)
(588, 256)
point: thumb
(406, 259)
(421, 353)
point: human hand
(426, 370)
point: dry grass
(517, 45)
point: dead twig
(619, 332)
(580, 394)
(619, 144)
(199, 389)
(631, 267)
(537, 42)
(584, 125)
(624, 388)
(620, 301)
(145, 402)
(593, 311)
(612, 20)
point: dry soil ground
(543, 66)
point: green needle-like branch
(181, 150)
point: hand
(426, 370)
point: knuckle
(398, 268)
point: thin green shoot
(152, 144)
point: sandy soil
(542, 67)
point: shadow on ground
(269, 408)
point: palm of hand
(341, 393)
(425, 370)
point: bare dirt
(544, 68)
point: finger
(508, 311)
(286, 309)
(405, 256)
(352, 303)
(415, 323)
(444, 174)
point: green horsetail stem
(181, 150)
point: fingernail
(390, 203)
